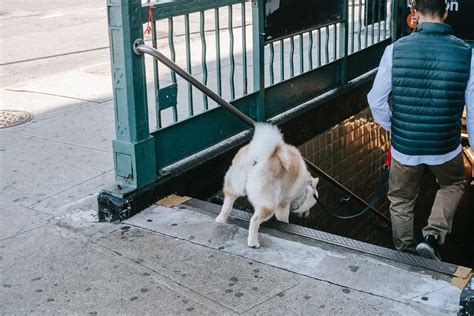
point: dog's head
(310, 197)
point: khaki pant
(404, 183)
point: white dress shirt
(378, 97)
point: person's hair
(431, 7)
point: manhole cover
(10, 118)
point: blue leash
(375, 198)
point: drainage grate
(438, 266)
(9, 118)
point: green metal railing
(291, 58)
(184, 39)
(284, 72)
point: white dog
(273, 175)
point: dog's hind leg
(261, 215)
(229, 199)
(282, 213)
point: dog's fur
(274, 177)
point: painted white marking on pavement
(54, 15)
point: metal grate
(438, 266)
(9, 118)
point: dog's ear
(314, 182)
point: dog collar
(296, 204)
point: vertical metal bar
(218, 52)
(310, 50)
(187, 36)
(345, 42)
(401, 11)
(352, 23)
(373, 21)
(360, 25)
(319, 47)
(203, 58)
(395, 31)
(173, 58)
(300, 37)
(282, 60)
(175, 113)
(335, 41)
(391, 21)
(386, 18)
(259, 57)
(155, 62)
(292, 56)
(270, 64)
(231, 52)
(366, 22)
(171, 45)
(327, 45)
(156, 77)
(244, 50)
(379, 6)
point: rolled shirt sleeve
(378, 95)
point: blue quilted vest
(429, 76)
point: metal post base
(114, 207)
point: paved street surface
(56, 259)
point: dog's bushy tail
(266, 140)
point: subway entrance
(353, 152)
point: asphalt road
(40, 38)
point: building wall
(353, 152)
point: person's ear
(445, 15)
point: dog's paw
(220, 220)
(254, 245)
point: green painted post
(133, 148)
(259, 57)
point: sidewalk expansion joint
(48, 222)
(60, 142)
(56, 95)
(268, 299)
(430, 292)
(71, 187)
(54, 56)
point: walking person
(430, 74)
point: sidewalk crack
(55, 95)
(268, 299)
(66, 189)
(48, 222)
(59, 142)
